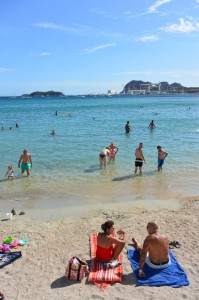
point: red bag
(76, 269)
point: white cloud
(183, 26)
(45, 54)
(2, 70)
(148, 38)
(91, 50)
(157, 4)
(41, 54)
(49, 25)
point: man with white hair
(155, 250)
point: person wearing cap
(155, 249)
(161, 157)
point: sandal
(174, 244)
(177, 244)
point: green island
(43, 94)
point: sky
(91, 46)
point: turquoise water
(66, 167)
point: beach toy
(15, 244)
(5, 248)
(23, 242)
(8, 240)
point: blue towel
(8, 257)
(173, 276)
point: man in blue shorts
(161, 157)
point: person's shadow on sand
(63, 282)
(129, 279)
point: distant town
(134, 87)
(146, 87)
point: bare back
(158, 247)
(139, 153)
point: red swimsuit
(104, 254)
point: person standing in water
(139, 158)
(161, 157)
(127, 127)
(113, 150)
(25, 161)
(152, 124)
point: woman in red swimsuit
(108, 246)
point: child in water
(10, 172)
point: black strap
(78, 271)
(69, 270)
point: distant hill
(162, 87)
(45, 94)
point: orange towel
(99, 274)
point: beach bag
(76, 269)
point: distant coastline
(134, 87)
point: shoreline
(51, 243)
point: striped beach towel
(99, 273)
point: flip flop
(177, 244)
(23, 242)
(21, 213)
(174, 244)
(171, 245)
(8, 240)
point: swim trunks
(160, 162)
(102, 155)
(25, 167)
(138, 162)
(156, 266)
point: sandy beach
(39, 274)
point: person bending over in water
(26, 160)
(102, 157)
(10, 172)
(155, 250)
(108, 246)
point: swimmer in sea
(152, 125)
(53, 132)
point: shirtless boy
(161, 157)
(139, 158)
(25, 161)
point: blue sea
(66, 169)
